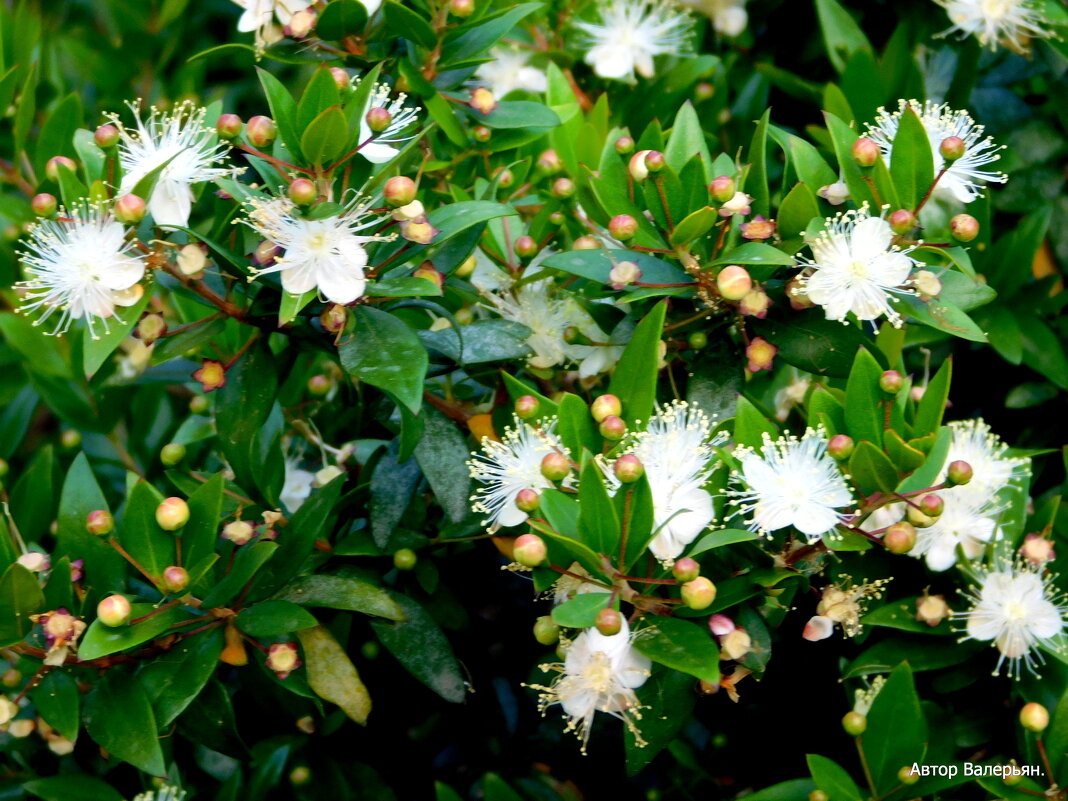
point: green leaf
(575, 426)
(926, 475)
(32, 502)
(905, 457)
(120, 326)
(341, 18)
(441, 448)
(450, 220)
(72, 787)
(902, 615)
(140, 534)
(634, 379)
(598, 523)
(897, 731)
(693, 226)
(791, 790)
(383, 351)
(283, 110)
(811, 342)
(581, 611)
(864, 399)
(943, 316)
(634, 508)
(402, 21)
(474, 38)
(832, 779)
(871, 469)
(843, 137)
(331, 674)
(480, 342)
(756, 182)
(392, 485)
(58, 701)
(55, 138)
(105, 569)
(933, 403)
(750, 424)
(173, 683)
(597, 264)
(243, 406)
(756, 253)
(670, 696)
(519, 114)
(410, 287)
(119, 717)
(796, 211)
(199, 535)
(337, 592)
(681, 645)
(717, 539)
(442, 113)
(687, 140)
(320, 94)
(325, 137)
(841, 34)
(274, 618)
(250, 558)
(422, 648)
(100, 640)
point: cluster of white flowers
(1009, 23)
(629, 34)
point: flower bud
(722, 188)
(527, 500)
(99, 522)
(106, 136)
(604, 406)
(891, 382)
(736, 644)
(836, 194)
(624, 274)
(865, 152)
(854, 723)
(172, 453)
(462, 8)
(952, 148)
(1011, 778)
(587, 243)
(55, 164)
(175, 579)
(698, 340)
(628, 468)
(840, 447)
(467, 267)
(130, 209)
(900, 538)
(1034, 717)
(1037, 549)
(303, 192)
(341, 79)
(172, 514)
(686, 569)
(238, 532)
(739, 204)
(959, 472)
(333, 318)
(549, 162)
(525, 247)
(698, 593)
(526, 407)
(555, 466)
(44, 204)
(301, 24)
(927, 284)
(228, 126)
(623, 227)
(755, 303)
(624, 145)
(233, 653)
(907, 775)
(265, 253)
(916, 393)
(563, 188)
(399, 191)
(608, 622)
(964, 227)
(613, 428)
(427, 272)
(546, 631)
(35, 561)
(419, 231)
(918, 518)
(761, 354)
(378, 119)
(506, 178)
(261, 131)
(734, 282)
(70, 438)
(818, 628)
(114, 611)
(481, 133)
(704, 91)
(932, 505)
(759, 229)
(319, 385)
(818, 795)
(720, 625)
(23, 727)
(902, 221)
(637, 167)
(655, 161)
(404, 559)
(282, 658)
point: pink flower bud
(171, 454)
(952, 148)
(628, 468)
(114, 611)
(605, 405)
(891, 382)
(608, 622)
(865, 152)
(481, 133)
(44, 204)
(733, 282)
(530, 550)
(462, 8)
(99, 522)
(655, 161)
(902, 221)
(130, 209)
(818, 628)
(959, 472)
(840, 447)
(699, 593)
(587, 243)
(1034, 717)
(623, 227)
(527, 500)
(172, 514)
(900, 538)
(1037, 549)
(175, 579)
(261, 131)
(419, 232)
(722, 188)
(333, 318)
(106, 136)
(637, 167)
(613, 428)
(720, 625)
(526, 407)
(686, 569)
(303, 192)
(228, 126)
(624, 145)
(555, 466)
(854, 723)
(549, 162)
(57, 163)
(964, 227)
(505, 177)
(563, 188)
(399, 191)
(238, 532)
(341, 79)
(378, 119)
(525, 247)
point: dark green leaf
(72, 787)
(384, 352)
(140, 534)
(100, 640)
(341, 18)
(681, 645)
(634, 379)
(864, 399)
(871, 469)
(273, 619)
(897, 732)
(337, 592)
(173, 683)
(119, 718)
(669, 696)
(581, 611)
(58, 701)
(20, 597)
(250, 558)
(933, 404)
(409, 24)
(833, 780)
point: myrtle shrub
(544, 401)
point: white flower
(180, 141)
(963, 522)
(1011, 23)
(82, 265)
(792, 482)
(297, 485)
(963, 179)
(836, 194)
(854, 268)
(326, 254)
(677, 451)
(992, 468)
(378, 148)
(509, 71)
(259, 17)
(630, 34)
(599, 674)
(1017, 609)
(729, 17)
(511, 465)
(568, 586)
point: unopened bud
(265, 253)
(99, 522)
(818, 628)
(303, 192)
(900, 538)
(932, 505)
(399, 191)
(624, 145)
(106, 136)
(467, 267)
(865, 152)
(853, 722)
(114, 611)
(818, 795)
(964, 227)
(686, 569)
(736, 644)
(35, 561)
(462, 8)
(44, 204)
(427, 272)
(959, 472)
(57, 163)
(927, 284)
(405, 559)
(1034, 717)
(525, 247)
(261, 131)
(319, 385)
(907, 775)
(840, 447)
(563, 188)
(418, 231)
(608, 622)
(698, 593)
(482, 100)
(192, 259)
(333, 318)
(505, 177)
(613, 428)
(341, 79)
(698, 340)
(637, 167)
(546, 631)
(587, 242)
(952, 148)
(891, 382)
(902, 221)
(172, 453)
(623, 227)
(704, 91)
(228, 126)
(130, 209)
(734, 282)
(378, 119)
(238, 532)
(527, 500)
(549, 162)
(150, 328)
(175, 579)
(605, 405)
(526, 407)
(628, 468)
(720, 625)
(655, 161)
(624, 274)
(723, 188)
(555, 466)
(481, 133)
(557, 217)
(172, 514)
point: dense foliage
(379, 375)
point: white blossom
(187, 151)
(964, 178)
(260, 15)
(630, 34)
(791, 482)
(963, 522)
(378, 148)
(600, 674)
(1018, 609)
(1010, 23)
(511, 465)
(992, 468)
(296, 486)
(327, 254)
(729, 17)
(855, 268)
(81, 265)
(510, 70)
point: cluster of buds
(644, 162)
(841, 604)
(697, 591)
(734, 642)
(415, 226)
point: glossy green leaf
(283, 110)
(681, 645)
(341, 18)
(119, 718)
(273, 619)
(864, 399)
(897, 732)
(72, 787)
(140, 534)
(598, 523)
(337, 592)
(581, 611)
(100, 640)
(721, 537)
(750, 424)
(384, 352)
(405, 22)
(634, 379)
(243, 405)
(871, 469)
(58, 701)
(325, 138)
(669, 696)
(173, 683)
(933, 403)
(250, 558)
(832, 779)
